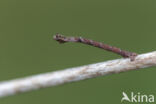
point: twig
(126, 54)
(75, 74)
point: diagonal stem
(75, 74)
(126, 54)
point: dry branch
(76, 74)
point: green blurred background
(27, 47)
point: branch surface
(44, 80)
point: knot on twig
(130, 55)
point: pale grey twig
(36, 82)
